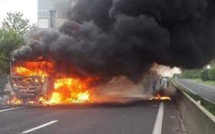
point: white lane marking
(159, 120)
(9, 109)
(41, 126)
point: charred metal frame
(28, 88)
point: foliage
(208, 74)
(15, 22)
(191, 74)
(212, 73)
(11, 37)
(205, 75)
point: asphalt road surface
(205, 91)
(135, 118)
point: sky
(27, 7)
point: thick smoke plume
(107, 38)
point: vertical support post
(52, 18)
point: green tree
(11, 37)
(191, 74)
(212, 73)
(205, 75)
(15, 22)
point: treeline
(206, 74)
(12, 36)
(191, 74)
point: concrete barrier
(196, 118)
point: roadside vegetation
(12, 36)
(205, 76)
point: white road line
(159, 120)
(9, 109)
(41, 126)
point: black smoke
(107, 38)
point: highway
(142, 117)
(205, 91)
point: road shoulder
(173, 123)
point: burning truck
(34, 82)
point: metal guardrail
(180, 86)
(197, 119)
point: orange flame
(64, 89)
(67, 91)
(26, 72)
(34, 68)
(159, 97)
(15, 101)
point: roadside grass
(205, 103)
(209, 83)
